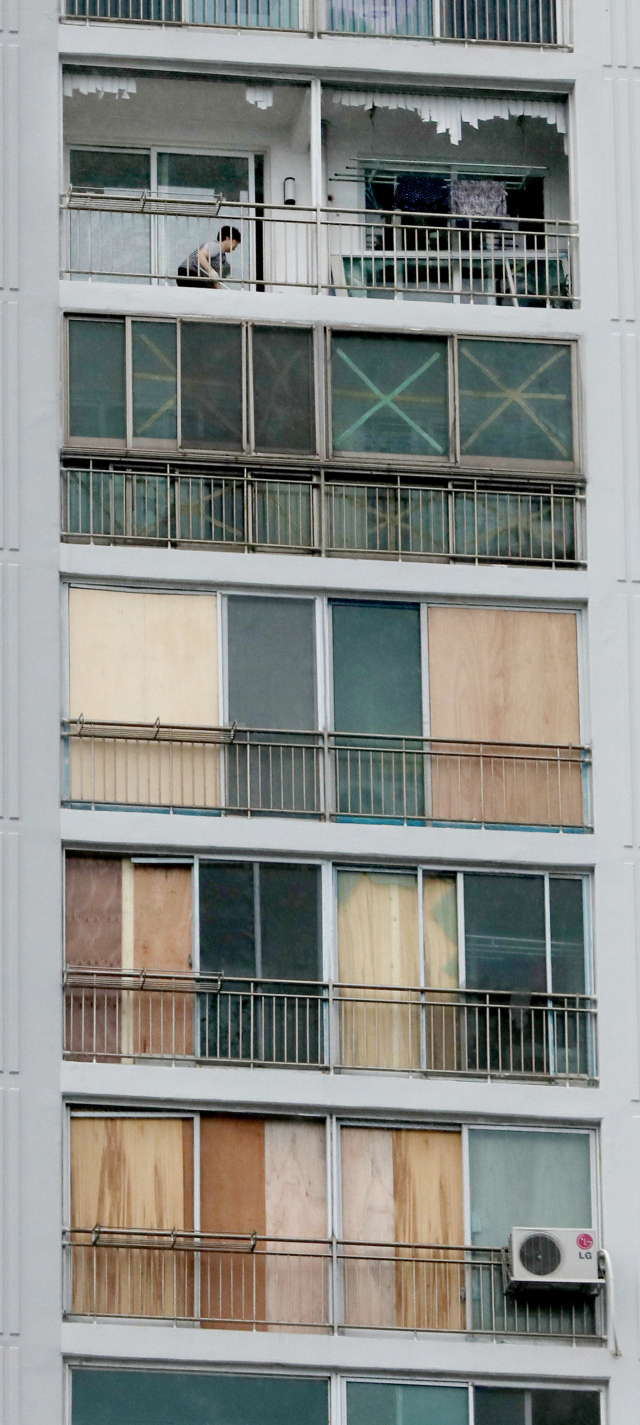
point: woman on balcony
(207, 265)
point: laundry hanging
(449, 112)
(99, 83)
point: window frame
(503, 462)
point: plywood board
(131, 1172)
(441, 1025)
(93, 912)
(378, 944)
(93, 940)
(232, 1200)
(296, 1208)
(427, 1176)
(135, 657)
(368, 1216)
(503, 675)
(508, 677)
(164, 1018)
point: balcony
(341, 252)
(318, 514)
(521, 22)
(412, 781)
(317, 1285)
(140, 1016)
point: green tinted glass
(109, 168)
(97, 380)
(496, 1406)
(527, 1179)
(567, 936)
(376, 668)
(504, 932)
(186, 1398)
(154, 380)
(515, 400)
(565, 1407)
(379, 1403)
(211, 372)
(283, 398)
(227, 177)
(389, 394)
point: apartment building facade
(320, 1047)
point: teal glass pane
(154, 380)
(227, 177)
(283, 390)
(527, 1179)
(515, 400)
(504, 932)
(271, 656)
(97, 380)
(109, 168)
(211, 375)
(253, 14)
(379, 1403)
(567, 936)
(377, 684)
(389, 394)
(381, 17)
(124, 1397)
(495, 1406)
(565, 1407)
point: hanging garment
(479, 197)
(422, 193)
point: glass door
(196, 245)
(111, 240)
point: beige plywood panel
(509, 677)
(297, 1285)
(135, 657)
(427, 1175)
(368, 1216)
(440, 1015)
(378, 944)
(131, 1172)
(163, 1017)
(503, 675)
(232, 1200)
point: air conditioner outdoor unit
(563, 1256)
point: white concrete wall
(602, 75)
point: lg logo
(585, 1243)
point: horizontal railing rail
(327, 775)
(467, 520)
(138, 1015)
(345, 252)
(313, 1284)
(521, 22)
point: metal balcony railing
(345, 252)
(521, 22)
(135, 1016)
(312, 1284)
(467, 520)
(325, 775)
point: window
(515, 402)
(527, 1179)
(506, 936)
(377, 1403)
(390, 395)
(271, 656)
(120, 1397)
(254, 388)
(495, 1405)
(235, 393)
(505, 21)
(260, 919)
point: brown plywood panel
(163, 1017)
(427, 1175)
(296, 1207)
(93, 940)
(131, 1172)
(93, 907)
(232, 1200)
(368, 1216)
(378, 944)
(135, 657)
(509, 677)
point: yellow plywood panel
(135, 657)
(503, 675)
(378, 944)
(440, 1014)
(427, 1176)
(368, 1216)
(137, 1173)
(295, 1173)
